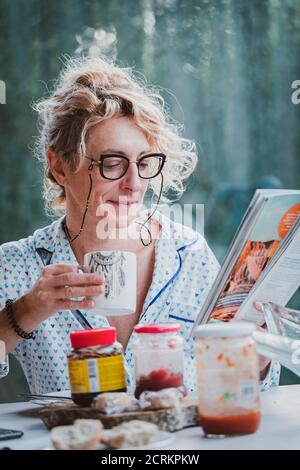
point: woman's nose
(131, 179)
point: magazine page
(274, 222)
(232, 254)
(278, 284)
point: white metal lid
(222, 329)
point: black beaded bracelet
(13, 323)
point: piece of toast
(84, 434)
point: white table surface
(279, 429)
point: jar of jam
(158, 353)
(228, 379)
(96, 364)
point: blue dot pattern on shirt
(184, 271)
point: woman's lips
(121, 203)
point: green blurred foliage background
(225, 68)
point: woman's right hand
(55, 288)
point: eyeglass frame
(100, 163)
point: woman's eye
(112, 164)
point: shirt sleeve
(206, 259)
(4, 283)
(272, 377)
(189, 367)
(2, 286)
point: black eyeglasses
(114, 167)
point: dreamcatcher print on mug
(111, 265)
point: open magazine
(262, 262)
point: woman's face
(120, 199)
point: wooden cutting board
(169, 419)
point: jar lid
(157, 328)
(93, 337)
(222, 329)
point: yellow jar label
(102, 374)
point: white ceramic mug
(119, 270)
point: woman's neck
(92, 238)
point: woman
(106, 141)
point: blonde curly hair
(90, 90)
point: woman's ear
(56, 166)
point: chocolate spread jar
(96, 364)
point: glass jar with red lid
(158, 353)
(96, 364)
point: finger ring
(66, 292)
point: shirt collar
(52, 243)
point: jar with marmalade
(158, 355)
(228, 379)
(96, 364)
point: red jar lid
(157, 328)
(94, 337)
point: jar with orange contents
(228, 379)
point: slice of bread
(115, 402)
(84, 434)
(134, 433)
(161, 399)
